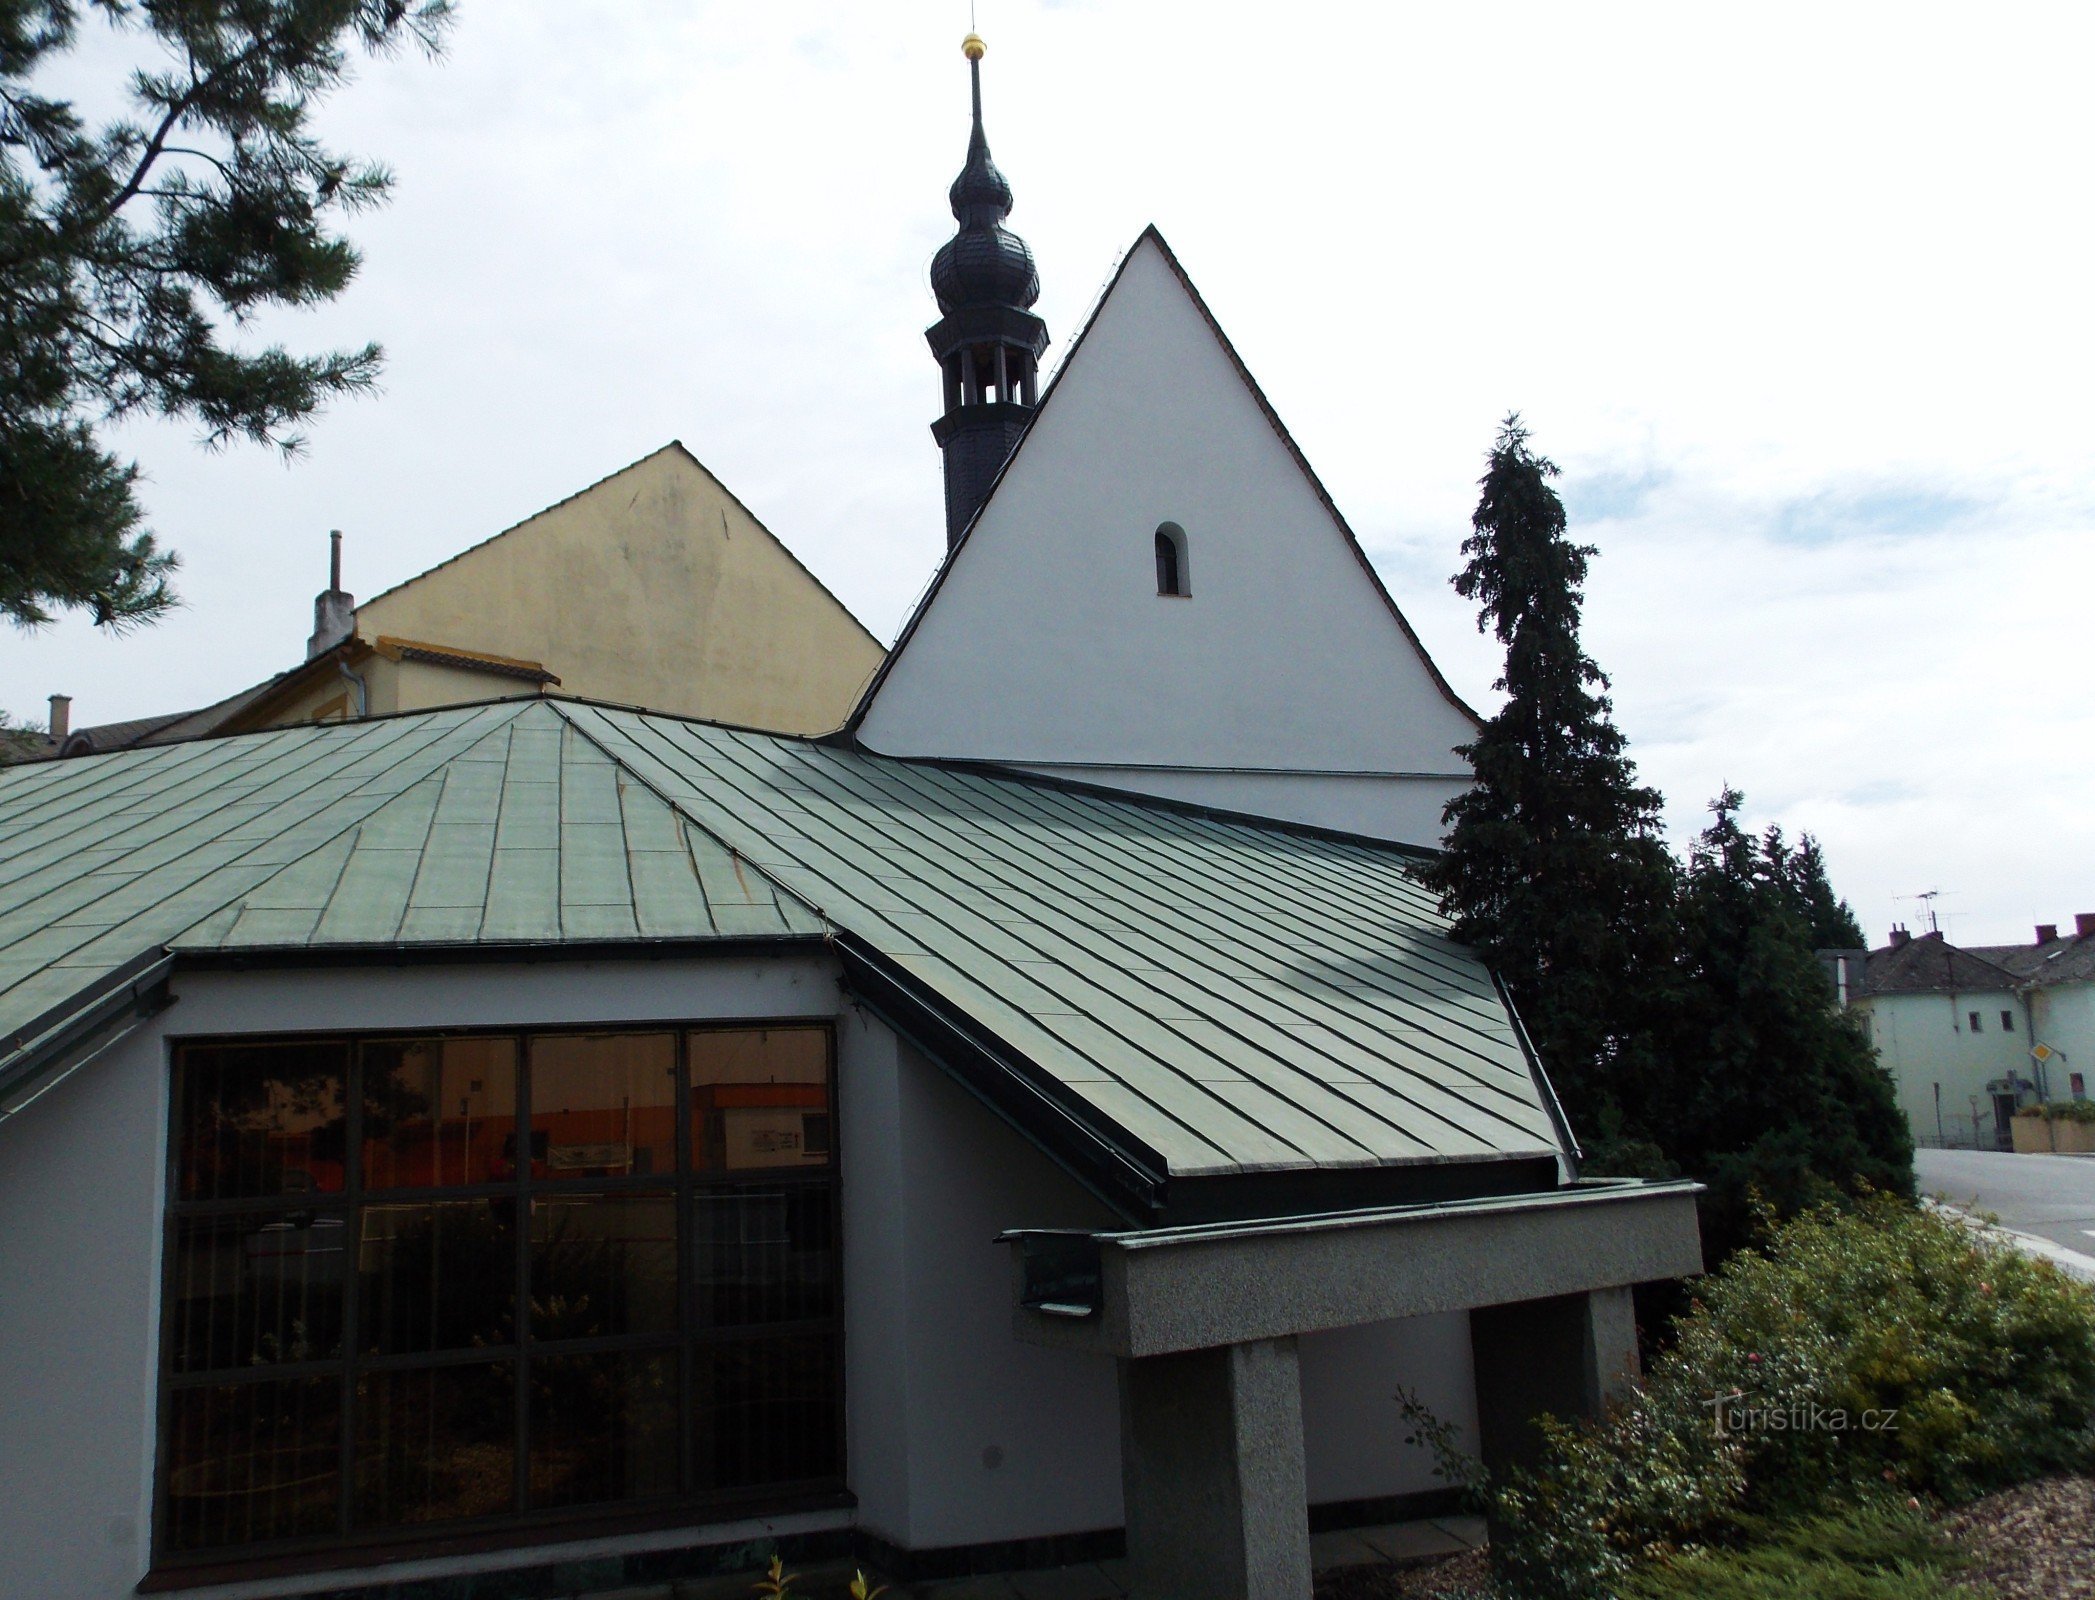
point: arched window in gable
(1174, 575)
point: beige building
(654, 587)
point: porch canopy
(1204, 1320)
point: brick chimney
(61, 716)
(1900, 938)
(2047, 933)
(2084, 925)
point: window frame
(1172, 535)
(521, 1525)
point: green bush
(1868, 1553)
(1856, 1349)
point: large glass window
(421, 1284)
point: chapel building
(1015, 1106)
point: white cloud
(1795, 297)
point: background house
(654, 586)
(1970, 1034)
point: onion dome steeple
(987, 340)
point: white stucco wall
(1406, 809)
(1047, 644)
(1352, 1435)
(2064, 1018)
(1006, 1440)
(1925, 1040)
(957, 1432)
(81, 1175)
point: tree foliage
(1803, 870)
(1680, 1010)
(129, 253)
(1775, 1097)
(1554, 868)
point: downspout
(358, 686)
(2027, 994)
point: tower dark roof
(987, 340)
(984, 263)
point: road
(2051, 1198)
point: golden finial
(973, 48)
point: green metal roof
(1228, 996)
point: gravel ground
(2035, 1542)
(1463, 1577)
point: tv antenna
(1927, 898)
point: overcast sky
(1797, 296)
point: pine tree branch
(198, 89)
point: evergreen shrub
(1875, 1552)
(1858, 1351)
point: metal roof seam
(347, 842)
(1231, 997)
(119, 886)
(189, 861)
(1281, 1058)
(1032, 791)
(1399, 879)
(662, 727)
(659, 728)
(53, 850)
(62, 792)
(1160, 909)
(874, 769)
(604, 726)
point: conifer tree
(1775, 1097)
(129, 252)
(1554, 867)
(1803, 870)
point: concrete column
(1211, 1462)
(1567, 1356)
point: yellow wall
(389, 686)
(653, 588)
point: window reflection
(759, 1098)
(437, 1277)
(763, 1254)
(602, 1265)
(255, 1290)
(603, 1105)
(262, 1120)
(438, 1112)
(519, 1316)
(603, 1427)
(434, 1446)
(251, 1462)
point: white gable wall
(1282, 680)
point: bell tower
(987, 340)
